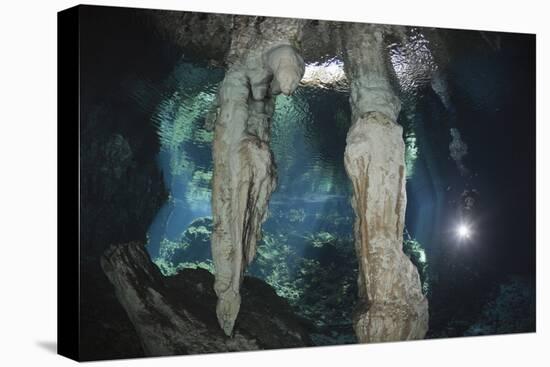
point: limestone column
(392, 306)
(262, 62)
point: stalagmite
(392, 306)
(262, 63)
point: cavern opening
(307, 252)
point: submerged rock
(315, 272)
(176, 314)
(191, 250)
(413, 249)
(391, 306)
(511, 310)
(263, 63)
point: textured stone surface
(263, 64)
(392, 306)
(366, 64)
(176, 315)
(202, 35)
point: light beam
(463, 231)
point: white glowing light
(463, 231)
(328, 72)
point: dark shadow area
(49, 346)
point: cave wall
(121, 187)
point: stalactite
(263, 62)
(392, 306)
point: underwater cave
(306, 253)
(452, 130)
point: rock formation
(176, 315)
(263, 62)
(392, 306)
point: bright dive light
(463, 231)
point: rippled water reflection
(308, 140)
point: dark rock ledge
(177, 314)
